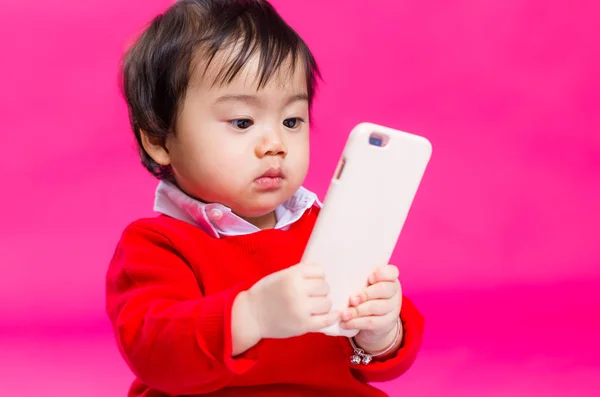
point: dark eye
(241, 124)
(293, 122)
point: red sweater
(170, 291)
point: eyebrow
(254, 100)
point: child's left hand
(375, 310)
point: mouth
(270, 180)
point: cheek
(298, 160)
(203, 150)
(214, 164)
(304, 161)
(300, 149)
(192, 164)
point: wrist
(245, 329)
(252, 306)
(385, 344)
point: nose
(271, 144)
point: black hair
(158, 67)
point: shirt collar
(217, 219)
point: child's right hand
(291, 302)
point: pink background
(501, 250)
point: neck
(267, 221)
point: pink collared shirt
(217, 219)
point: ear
(155, 149)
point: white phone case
(365, 208)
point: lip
(272, 179)
(272, 172)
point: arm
(396, 362)
(173, 338)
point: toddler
(208, 298)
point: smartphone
(365, 208)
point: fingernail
(355, 300)
(371, 279)
(347, 315)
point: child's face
(228, 136)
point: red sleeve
(393, 367)
(174, 339)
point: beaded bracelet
(361, 357)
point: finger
(369, 323)
(376, 307)
(384, 273)
(320, 321)
(312, 271)
(317, 287)
(381, 290)
(319, 305)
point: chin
(262, 206)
